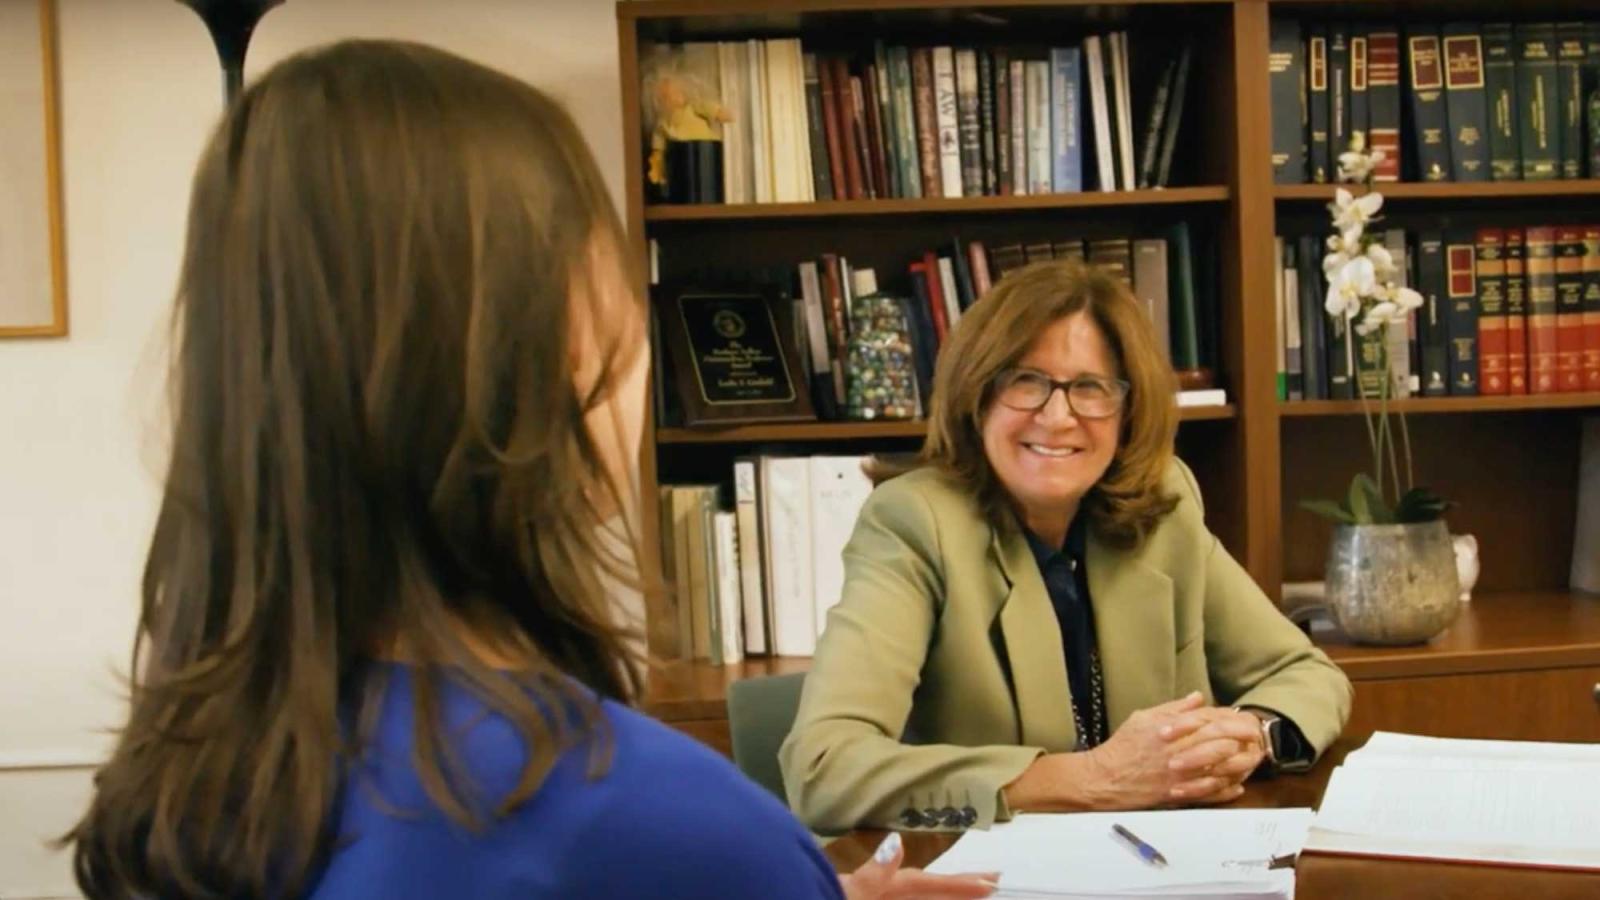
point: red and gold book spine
(1516, 253)
(1542, 350)
(1569, 309)
(1591, 308)
(1492, 349)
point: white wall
(81, 448)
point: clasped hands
(1179, 753)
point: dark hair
(1127, 501)
(377, 440)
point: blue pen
(1146, 852)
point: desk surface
(1317, 877)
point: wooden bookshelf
(802, 432)
(1422, 405)
(1508, 463)
(893, 207)
(1478, 190)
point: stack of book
(1482, 101)
(1505, 311)
(759, 578)
(942, 121)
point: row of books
(757, 573)
(913, 122)
(1172, 281)
(1505, 311)
(1466, 101)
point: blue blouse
(669, 818)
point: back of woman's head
(379, 447)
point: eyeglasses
(1088, 396)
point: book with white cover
(839, 488)
(1514, 803)
(728, 590)
(949, 130)
(785, 486)
(1100, 109)
(752, 588)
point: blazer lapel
(1134, 628)
(1033, 648)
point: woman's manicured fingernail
(888, 850)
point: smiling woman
(1040, 604)
(33, 299)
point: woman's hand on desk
(1131, 770)
(1226, 745)
(881, 878)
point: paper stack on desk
(1211, 853)
(1516, 803)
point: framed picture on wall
(33, 290)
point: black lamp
(231, 22)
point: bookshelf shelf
(1482, 190)
(1422, 405)
(941, 205)
(856, 431)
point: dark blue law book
(1433, 324)
(1500, 95)
(1313, 320)
(1538, 101)
(1461, 292)
(1286, 74)
(1570, 58)
(1359, 112)
(924, 340)
(1466, 102)
(1321, 163)
(1425, 88)
(1066, 119)
(1338, 92)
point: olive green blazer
(945, 632)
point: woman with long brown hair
(375, 656)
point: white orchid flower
(1382, 261)
(1407, 298)
(1351, 211)
(1353, 282)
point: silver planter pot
(1392, 584)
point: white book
(1517, 803)
(752, 589)
(815, 319)
(1399, 343)
(1124, 112)
(736, 133)
(1099, 107)
(1280, 324)
(944, 99)
(785, 489)
(1040, 163)
(839, 488)
(1292, 358)
(729, 592)
(947, 284)
(780, 118)
(1202, 397)
(799, 123)
(760, 129)
(1016, 71)
(1586, 533)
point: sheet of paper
(1210, 853)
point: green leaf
(1366, 501)
(1328, 509)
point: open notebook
(1498, 802)
(1215, 854)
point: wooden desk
(1317, 877)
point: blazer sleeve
(844, 764)
(1257, 657)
